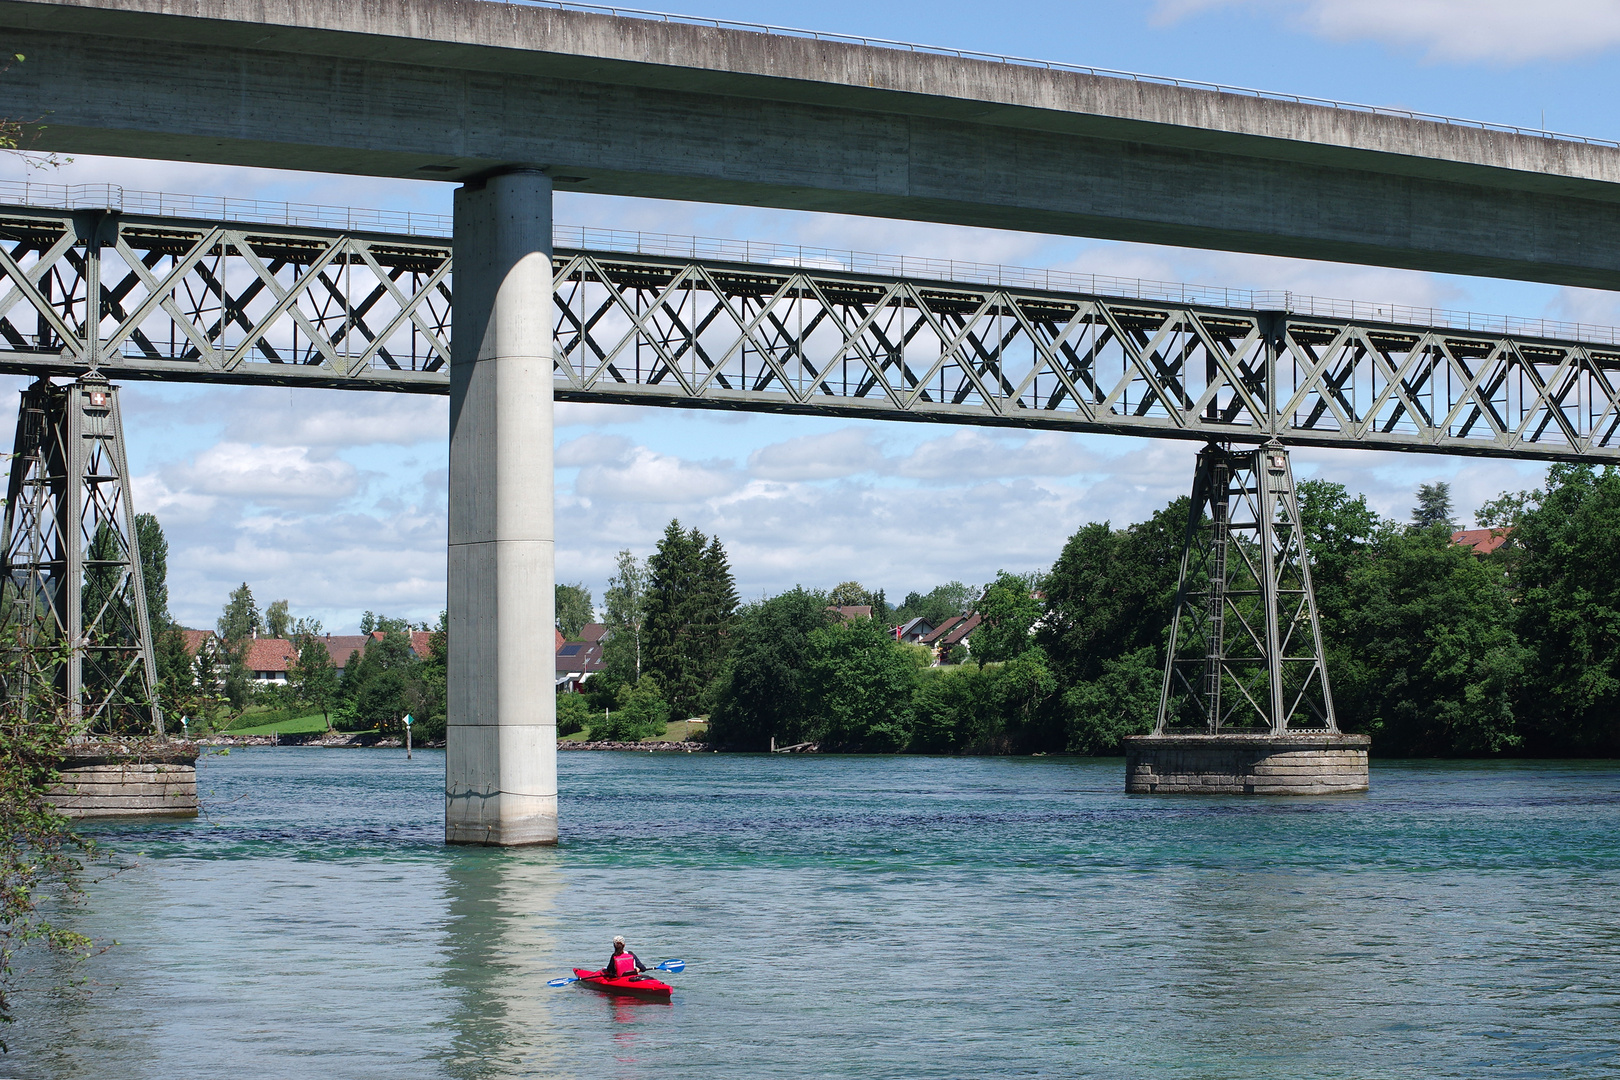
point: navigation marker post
(408, 719)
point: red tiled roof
(851, 612)
(560, 639)
(421, 641)
(339, 646)
(195, 639)
(593, 631)
(269, 654)
(1483, 541)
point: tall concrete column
(500, 783)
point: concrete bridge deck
(451, 89)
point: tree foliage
(860, 681)
(765, 692)
(277, 622)
(690, 605)
(1010, 611)
(574, 609)
(626, 614)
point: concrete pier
(99, 781)
(1299, 763)
(500, 784)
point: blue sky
(336, 500)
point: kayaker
(623, 962)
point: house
(268, 659)
(1483, 541)
(851, 612)
(912, 632)
(581, 658)
(954, 631)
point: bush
(573, 714)
(642, 714)
(1123, 700)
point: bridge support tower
(74, 603)
(1246, 706)
(501, 741)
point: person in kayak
(623, 962)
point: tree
(314, 677)
(642, 714)
(378, 684)
(154, 569)
(1568, 585)
(1434, 507)
(691, 601)
(764, 691)
(1122, 700)
(240, 619)
(574, 609)
(1110, 593)
(939, 604)
(573, 714)
(1427, 660)
(626, 600)
(861, 681)
(276, 620)
(849, 594)
(1009, 611)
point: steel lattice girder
(204, 301)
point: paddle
(674, 966)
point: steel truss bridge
(223, 301)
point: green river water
(855, 917)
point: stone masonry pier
(100, 781)
(1293, 764)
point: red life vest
(622, 964)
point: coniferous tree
(1434, 506)
(154, 569)
(691, 601)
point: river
(854, 917)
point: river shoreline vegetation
(1435, 648)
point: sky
(336, 500)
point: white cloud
(279, 473)
(973, 453)
(1505, 31)
(646, 476)
(846, 452)
(594, 450)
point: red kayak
(643, 986)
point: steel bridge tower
(73, 597)
(1245, 642)
(1246, 707)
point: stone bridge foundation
(1298, 763)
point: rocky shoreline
(347, 740)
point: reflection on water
(855, 918)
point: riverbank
(352, 740)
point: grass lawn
(674, 731)
(296, 726)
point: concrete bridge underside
(513, 100)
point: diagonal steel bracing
(211, 301)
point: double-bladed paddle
(674, 966)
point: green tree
(642, 713)
(240, 619)
(1122, 700)
(849, 594)
(573, 714)
(314, 677)
(277, 623)
(691, 602)
(574, 609)
(955, 710)
(1110, 593)
(626, 600)
(1010, 611)
(939, 604)
(764, 691)
(378, 685)
(1428, 661)
(1434, 507)
(861, 682)
(1568, 584)
(154, 569)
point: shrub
(573, 714)
(642, 713)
